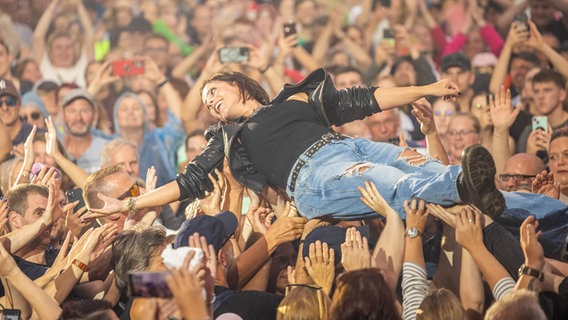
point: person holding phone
(302, 155)
(549, 96)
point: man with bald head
(520, 171)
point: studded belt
(325, 139)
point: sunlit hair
(518, 305)
(303, 302)
(440, 304)
(471, 117)
(248, 88)
(363, 294)
(133, 250)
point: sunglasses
(34, 116)
(8, 101)
(133, 191)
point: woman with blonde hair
(441, 304)
(303, 302)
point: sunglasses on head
(33, 115)
(133, 191)
(9, 101)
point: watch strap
(80, 265)
(528, 271)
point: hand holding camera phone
(539, 123)
(521, 23)
(74, 195)
(388, 36)
(290, 29)
(123, 68)
(10, 314)
(234, 54)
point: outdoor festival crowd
(109, 99)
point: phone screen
(234, 54)
(149, 284)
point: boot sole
(479, 173)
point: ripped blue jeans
(327, 183)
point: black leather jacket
(335, 107)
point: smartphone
(74, 195)
(521, 21)
(124, 68)
(10, 314)
(149, 284)
(289, 28)
(234, 54)
(388, 36)
(539, 122)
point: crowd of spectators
(103, 98)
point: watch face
(412, 232)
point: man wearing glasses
(520, 171)
(10, 105)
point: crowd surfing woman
(287, 145)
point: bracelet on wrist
(131, 205)
(80, 265)
(161, 84)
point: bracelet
(161, 84)
(263, 70)
(528, 271)
(80, 265)
(131, 205)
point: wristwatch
(412, 233)
(528, 271)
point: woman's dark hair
(561, 132)
(248, 88)
(363, 294)
(158, 120)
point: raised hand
(111, 206)
(538, 140)
(288, 227)
(4, 213)
(416, 214)
(151, 69)
(29, 155)
(260, 218)
(442, 213)
(186, 288)
(502, 112)
(543, 183)
(373, 199)
(103, 77)
(445, 88)
(320, 265)
(51, 147)
(151, 180)
(422, 110)
(469, 228)
(44, 176)
(355, 252)
(534, 254)
(211, 204)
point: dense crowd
(284, 159)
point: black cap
(456, 60)
(334, 236)
(140, 24)
(216, 229)
(7, 88)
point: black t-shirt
(249, 305)
(277, 135)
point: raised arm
(152, 72)
(500, 72)
(469, 235)
(502, 116)
(41, 30)
(88, 30)
(535, 40)
(77, 175)
(389, 98)
(5, 142)
(422, 110)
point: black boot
(476, 182)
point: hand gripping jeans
(327, 183)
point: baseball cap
(216, 229)
(45, 85)
(456, 60)
(75, 94)
(334, 236)
(8, 88)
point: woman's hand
(416, 214)
(373, 199)
(502, 113)
(444, 88)
(355, 252)
(469, 226)
(320, 265)
(211, 204)
(51, 147)
(422, 110)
